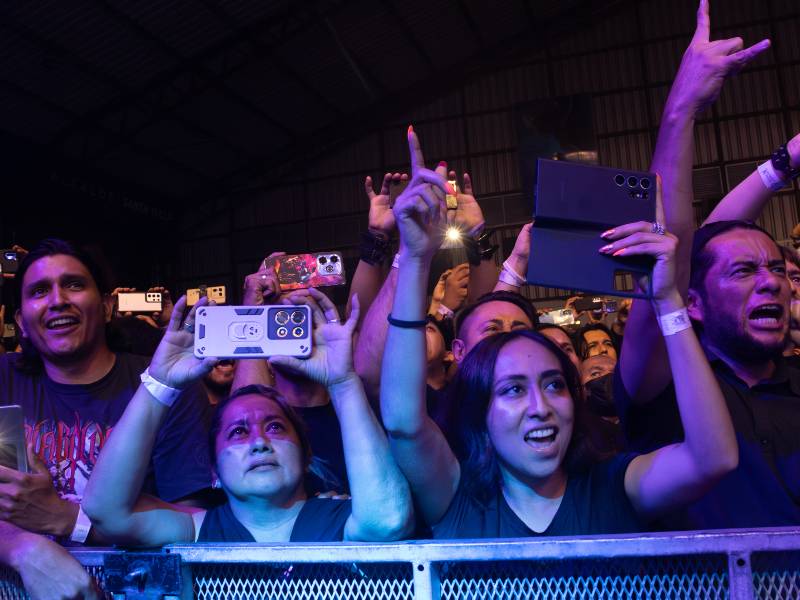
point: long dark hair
(473, 389)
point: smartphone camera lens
(633, 182)
(323, 260)
(334, 259)
(298, 317)
(329, 269)
(282, 332)
(645, 183)
(281, 317)
(297, 332)
(619, 180)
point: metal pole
(740, 576)
(426, 581)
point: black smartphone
(574, 204)
(9, 261)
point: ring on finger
(658, 228)
(333, 321)
(188, 326)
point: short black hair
(790, 255)
(702, 260)
(583, 347)
(500, 296)
(445, 327)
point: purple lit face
(744, 307)
(531, 412)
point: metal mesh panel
(776, 575)
(685, 577)
(390, 581)
(11, 585)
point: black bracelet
(405, 324)
(374, 247)
(480, 249)
(782, 163)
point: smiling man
(738, 301)
(73, 388)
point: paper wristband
(770, 177)
(674, 322)
(82, 526)
(163, 393)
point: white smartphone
(142, 302)
(252, 331)
(13, 453)
(214, 292)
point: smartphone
(252, 331)
(610, 306)
(214, 292)
(9, 261)
(141, 302)
(588, 303)
(13, 453)
(9, 330)
(561, 316)
(452, 199)
(574, 204)
(318, 269)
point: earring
(217, 485)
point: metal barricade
(736, 564)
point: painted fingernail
(607, 248)
(619, 252)
(442, 164)
(605, 234)
(410, 129)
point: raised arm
(381, 500)
(677, 474)
(515, 269)
(418, 445)
(746, 201)
(703, 70)
(116, 481)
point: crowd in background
(465, 413)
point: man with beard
(739, 303)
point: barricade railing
(736, 564)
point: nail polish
(619, 252)
(410, 129)
(605, 234)
(606, 248)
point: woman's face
(531, 411)
(258, 450)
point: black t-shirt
(594, 502)
(68, 425)
(764, 490)
(320, 520)
(325, 436)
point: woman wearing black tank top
(260, 453)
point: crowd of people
(453, 416)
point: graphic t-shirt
(68, 425)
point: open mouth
(767, 316)
(263, 466)
(61, 323)
(541, 438)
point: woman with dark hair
(260, 452)
(527, 470)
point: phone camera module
(297, 332)
(323, 260)
(281, 317)
(633, 182)
(329, 268)
(298, 317)
(282, 332)
(619, 180)
(645, 183)
(334, 259)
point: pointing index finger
(417, 159)
(703, 30)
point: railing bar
(740, 576)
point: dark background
(189, 139)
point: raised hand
(49, 572)
(468, 217)
(420, 211)
(174, 363)
(641, 238)
(381, 218)
(167, 306)
(455, 287)
(331, 359)
(263, 286)
(706, 65)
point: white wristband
(770, 177)
(163, 393)
(508, 278)
(674, 322)
(445, 312)
(396, 261)
(512, 274)
(82, 526)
